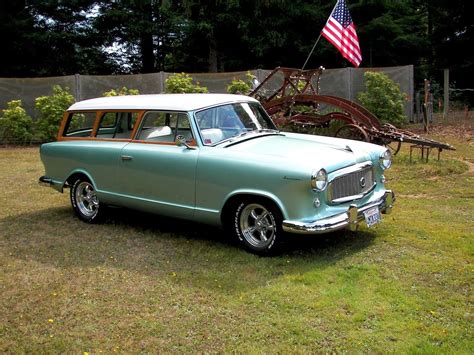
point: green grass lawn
(141, 283)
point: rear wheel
(85, 202)
(257, 225)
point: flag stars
(341, 14)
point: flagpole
(320, 33)
(310, 53)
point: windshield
(226, 122)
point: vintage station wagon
(216, 159)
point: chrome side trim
(348, 219)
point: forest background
(55, 38)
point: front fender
(254, 192)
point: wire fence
(345, 83)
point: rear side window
(80, 124)
(118, 125)
(108, 120)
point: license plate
(372, 216)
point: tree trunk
(148, 57)
(213, 62)
(146, 39)
(429, 12)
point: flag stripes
(340, 31)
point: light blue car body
(198, 183)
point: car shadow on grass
(62, 220)
(203, 257)
(295, 245)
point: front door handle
(126, 157)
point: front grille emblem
(362, 182)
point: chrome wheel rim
(258, 225)
(86, 198)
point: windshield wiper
(253, 132)
(269, 132)
(230, 139)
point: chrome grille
(352, 185)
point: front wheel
(85, 202)
(257, 225)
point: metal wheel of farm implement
(352, 131)
(393, 145)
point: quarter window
(80, 124)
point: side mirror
(181, 140)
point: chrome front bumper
(349, 219)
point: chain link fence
(345, 83)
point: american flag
(340, 31)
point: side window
(164, 126)
(108, 120)
(80, 124)
(117, 125)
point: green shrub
(239, 86)
(121, 92)
(383, 98)
(182, 83)
(51, 109)
(15, 124)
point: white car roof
(171, 102)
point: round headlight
(319, 180)
(386, 160)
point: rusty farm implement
(291, 96)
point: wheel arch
(237, 196)
(78, 174)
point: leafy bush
(182, 83)
(15, 124)
(121, 92)
(239, 86)
(383, 98)
(51, 110)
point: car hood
(301, 149)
